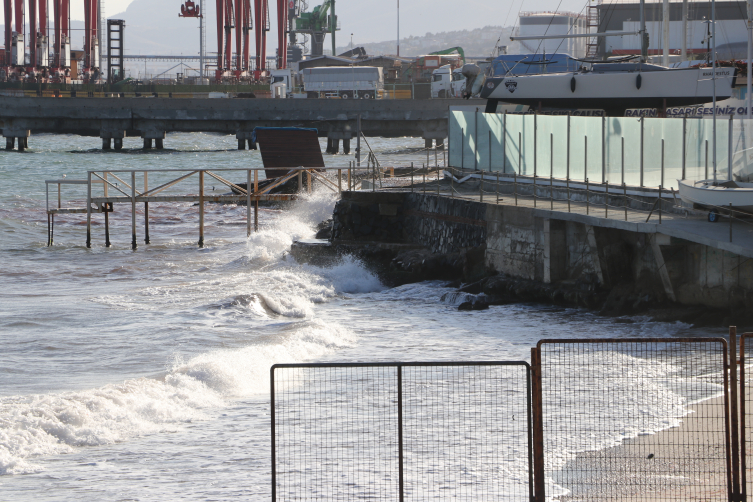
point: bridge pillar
(12, 134)
(251, 145)
(241, 144)
(153, 134)
(428, 143)
(111, 133)
(346, 146)
(118, 143)
(440, 143)
(159, 143)
(244, 137)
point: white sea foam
(42, 425)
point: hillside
(478, 42)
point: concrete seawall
(618, 261)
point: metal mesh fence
(409, 431)
(635, 419)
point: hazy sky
(374, 21)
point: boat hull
(704, 193)
(611, 91)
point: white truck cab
(447, 83)
(281, 83)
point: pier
(104, 189)
(113, 119)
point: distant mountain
(478, 42)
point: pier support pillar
(656, 241)
(112, 134)
(329, 146)
(10, 143)
(241, 144)
(243, 137)
(22, 144)
(440, 143)
(594, 252)
(428, 143)
(346, 146)
(106, 143)
(118, 144)
(251, 145)
(147, 143)
(335, 146)
(11, 135)
(159, 143)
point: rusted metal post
(743, 467)
(537, 425)
(256, 214)
(107, 214)
(300, 180)
(401, 482)
(256, 180)
(730, 221)
(309, 181)
(735, 430)
(88, 209)
(248, 203)
(134, 245)
(497, 187)
(588, 198)
(201, 209)
(146, 209)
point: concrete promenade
(152, 118)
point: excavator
(317, 24)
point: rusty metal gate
(401, 431)
(627, 419)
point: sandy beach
(680, 463)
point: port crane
(47, 64)
(317, 24)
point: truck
(447, 82)
(344, 82)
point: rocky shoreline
(464, 270)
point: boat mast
(750, 45)
(665, 29)
(713, 75)
(643, 34)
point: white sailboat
(613, 87)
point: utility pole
(398, 28)
(333, 28)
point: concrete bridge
(112, 119)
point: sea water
(144, 375)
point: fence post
(684, 148)
(462, 150)
(641, 183)
(567, 177)
(729, 148)
(733, 413)
(537, 425)
(706, 162)
(504, 143)
(475, 142)
(603, 149)
(400, 431)
(588, 196)
(272, 428)
(661, 183)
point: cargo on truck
(345, 82)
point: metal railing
(401, 431)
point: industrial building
(731, 35)
(534, 24)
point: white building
(551, 23)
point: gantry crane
(318, 23)
(41, 67)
